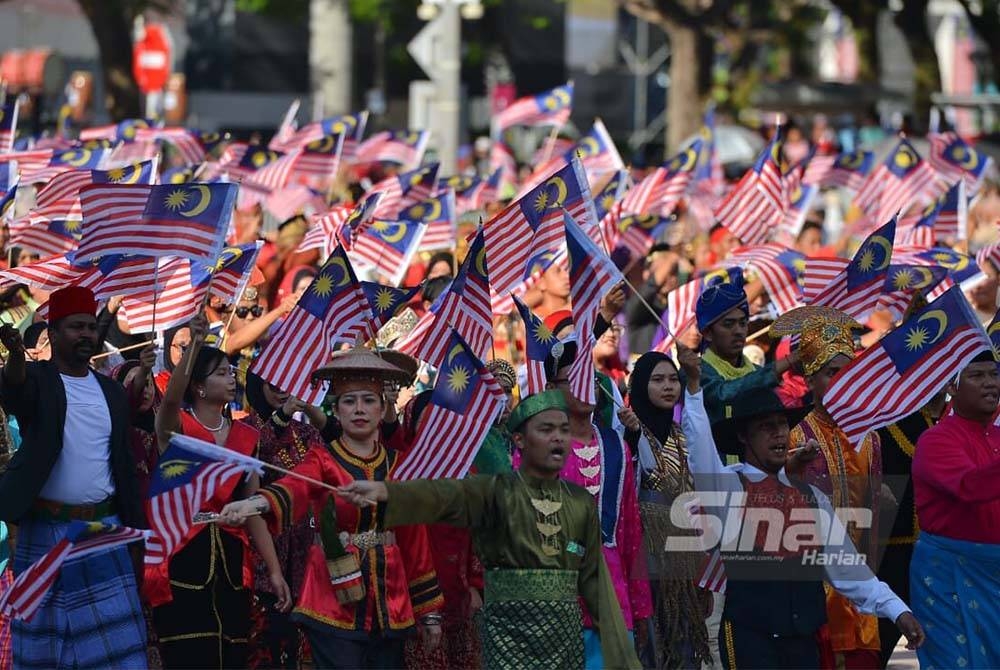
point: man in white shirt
(780, 539)
(74, 464)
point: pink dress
(626, 560)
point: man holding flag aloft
(74, 464)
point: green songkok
(535, 404)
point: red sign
(151, 58)
(503, 95)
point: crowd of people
(578, 539)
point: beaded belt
(51, 510)
(368, 539)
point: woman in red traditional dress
(401, 591)
(201, 595)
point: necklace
(222, 423)
(547, 511)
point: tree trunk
(684, 98)
(330, 55)
(912, 21)
(111, 24)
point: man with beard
(955, 573)
(74, 464)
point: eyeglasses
(242, 312)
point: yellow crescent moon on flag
(968, 160)
(345, 279)
(561, 192)
(455, 351)
(228, 255)
(76, 158)
(926, 276)
(589, 147)
(1, 114)
(481, 261)
(322, 145)
(942, 321)
(400, 233)
(722, 274)
(880, 241)
(204, 200)
(951, 261)
(435, 209)
(133, 178)
(209, 138)
(338, 128)
(993, 329)
(561, 95)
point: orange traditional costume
(850, 477)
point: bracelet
(276, 417)
(433, 619)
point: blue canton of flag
(914, 278)
(256, 158)
(538, 343)
(612, 192)
(210, 140)
(387, 301)
(78, 159)
(871, 262)
(993, 330)
(136, 173)
(961, 267)
(457, 377)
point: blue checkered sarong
(90, 619)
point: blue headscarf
(716, 300)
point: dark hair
(32, 333)
(810, 225)
(206, 362)
(658, 421)
(442, 257)
(434, 288)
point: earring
(201, 393)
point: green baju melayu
(540, 544)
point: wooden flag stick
(550, 145)
(130, 347)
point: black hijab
(168, 342)
(255, 396)
(656, 420)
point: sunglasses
(242, 312)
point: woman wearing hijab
(284, 441)
(136, 377)
(175, 341)
(680, 638)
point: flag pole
(550, 144)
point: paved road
(903, 658)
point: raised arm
(168, 418)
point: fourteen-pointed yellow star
(543, 333)
(116, 174)
(542, 201)
(867, 260)
(383, 299)
(916, 338)
(380, 226)
(458, 379)
(71, 226)
(903, 279)
(172, 469)
(323, 286)
(176, 199)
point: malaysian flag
(464, 306)
(63, 161)
(60, 198)
(333, 309)
(856, 289)
(943, 218)
(904, 283)
(639, 232)
(781, 272)
(229, 275)
(47, 238)
(846, 170)
(170, 299)
(404, 147)
(386, 302)
(551, 108)
(989, 254)
(901, 372)
(8, 125)
(757, 204)
(591, 275)
(7, 201)
(902, 178)
(113, 275)
(507, 232)
(962, 268)
(183, 484)
(471, 193)
(184, 140)
(538, 343)
(359, 219)
(210, 141)
(682, 300)
(438, 215)
(402, 190)
(661, 190)
(319, 161)
(123, 131)
(608, 207)
(502, 158)
(387, 247)
(993, 330)
(954, 159)
(465, 403)
(189, 220)
(291, 200)
(242, 161)
(597, 153)
(327, 230)
(800, 201)
(82, 538)
(709, 177)
(351, 126)
(125, 153)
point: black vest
(779, 595)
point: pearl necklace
(222, 423)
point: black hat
(745, 407)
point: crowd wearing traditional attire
(306, 413)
